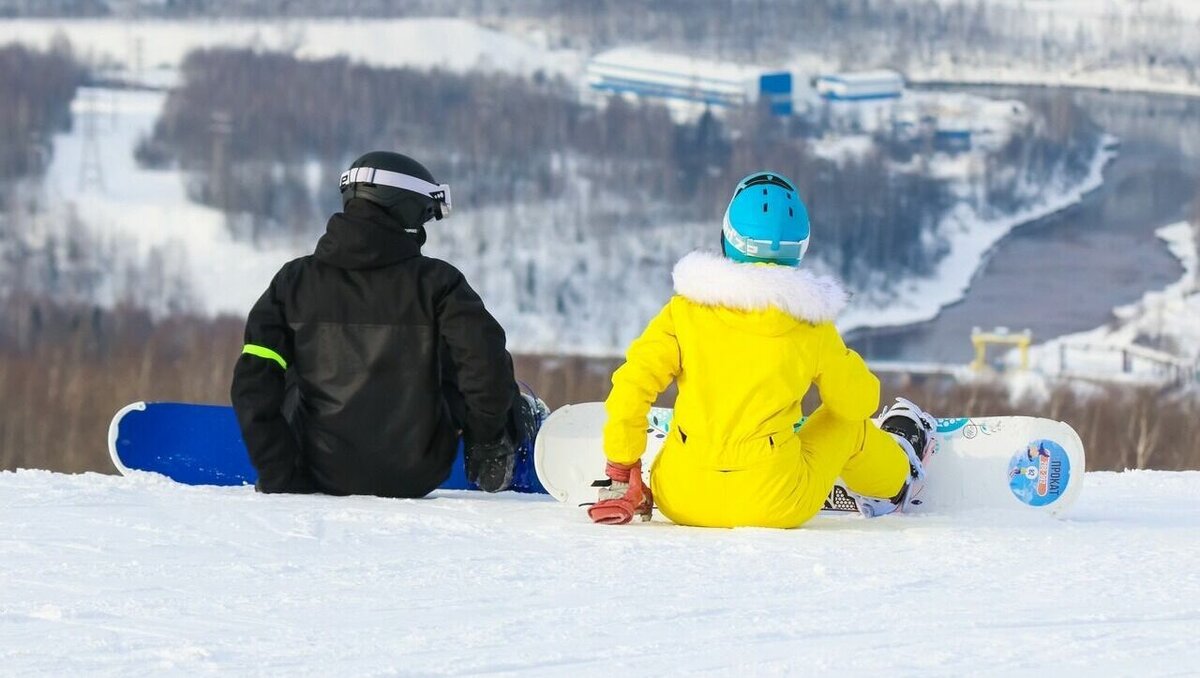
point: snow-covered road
(116, 576)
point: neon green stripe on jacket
(264, 352)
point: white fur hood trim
(712, 280)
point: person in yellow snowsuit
(744, 337)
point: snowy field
(1051, 11)
(139, 48)
(1097, 25)
(1150, 80)
(120, 576)
(148, 210)
(150, 49)
(1171, 25)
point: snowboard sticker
(1040, 473)
(202, 445)
(1023, 463)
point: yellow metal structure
(981, 340)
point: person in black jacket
(364, 360)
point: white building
(861, 86)
(644, 73)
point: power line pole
(138, 59)
(39, 153)
(91, 164)
(221, 126)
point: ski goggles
(439, 193)
(781, 250)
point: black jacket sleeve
(258, 393)
(482, 366)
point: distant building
(953, 135)
(862, 86)
(777, 89)
(686, 80)
(668, 76)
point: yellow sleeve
(651, 363)
(843, 379)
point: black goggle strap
(440, 193)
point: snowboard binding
(916, 432)
(525, 420)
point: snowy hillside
(1092, 32)
(151, 49)
(119, 576)
(136, 49)
(531, 261)
(147, 214)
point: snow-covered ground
(1169, 318)
(118, 576)
(145, 48)
(1091, 30)
(150, 49)
(1097, 9)
(1151, 80)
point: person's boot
(916, 432)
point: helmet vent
(764, 207)
(790, 212)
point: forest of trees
(37, 89)
(66, 369)
(1059, 143)
(264, 117)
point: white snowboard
(1025, 463)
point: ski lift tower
(1001, 335)
(91, 161)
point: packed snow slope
(117, 576)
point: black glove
(490, 465)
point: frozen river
(1065, 273)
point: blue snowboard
(202, 445)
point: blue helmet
(766, 222)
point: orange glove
(622, 496)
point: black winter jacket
(372, 344)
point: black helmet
(399, 184)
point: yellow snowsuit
(744, 342)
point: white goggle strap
(370, 175)
(764, 249)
